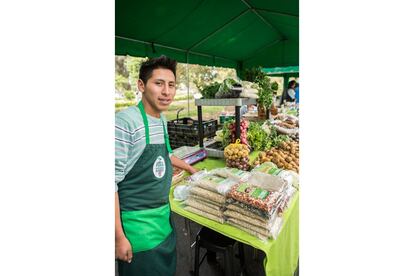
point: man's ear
(141, 86)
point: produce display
(254, 197)
(286, 156)
(237, 156)
(228, 134)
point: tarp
(233, 33)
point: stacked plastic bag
(207, 197)
(251, 201)
(291, 178)
(253, 205)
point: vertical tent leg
(237, 111)
(200, 125)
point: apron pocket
(146, 229)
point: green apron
(145, 211)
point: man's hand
(192, 170)
(123, 249)
(178, 163)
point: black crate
(184, 131)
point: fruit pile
(237, 156)
(286, 156)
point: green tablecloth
(281, 254)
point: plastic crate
(184, 131)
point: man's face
(159, 90)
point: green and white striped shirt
(130, 139)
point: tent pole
(188, 85)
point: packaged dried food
(291, 177)
(261, 213)
(235, 173)
(267, 181)
(268, 168)
(247, 213)
(204, 214)
(266, 225)
(252, 195)
(210, 208)
(249, 226)
(212, 196)
(207, 201)
(181, 192)
(215, 183)
(251, 232)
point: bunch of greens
(226, 89)
(275, 138)
(210, 90)
(257, 137)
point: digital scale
(190, 155)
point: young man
(144, 234)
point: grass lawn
(209, 112)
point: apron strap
(144, 117)
(147, 140)
(166, 139)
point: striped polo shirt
(130, 139)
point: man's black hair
(145, 72)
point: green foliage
(254, 74)
(122, 83)
(125, 104)
(257, 137)
(129, 95)
(201, 76)
(183, 97)
(127, 74)
(210, 90)
(227, 133)
(274, 86)
(275, 138)
(265, 93)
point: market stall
(241, 35)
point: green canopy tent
(233, 33)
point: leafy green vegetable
(226, 89)
(210, 91)
(257, 137)
(227, 133)
(276, 138)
